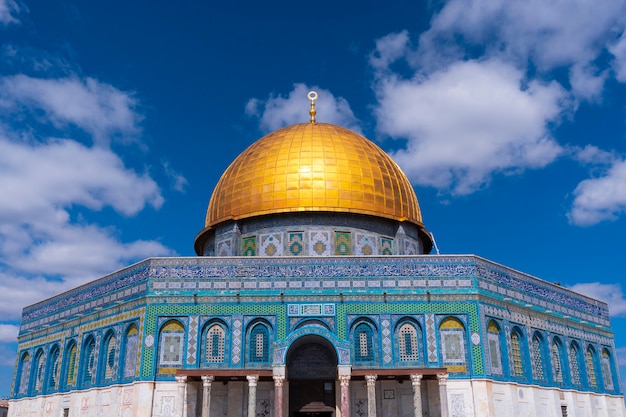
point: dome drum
(314, 234)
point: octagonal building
(314, 294)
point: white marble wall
(475, 398)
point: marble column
(252, 382)
(344, 382)
(371, 395)
(181, 400)
(206, 394)
(278, 395)
(443, 393)
(416, 380)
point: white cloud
(8, 11)
(550, 33)
(618, 49)
(97, 108)
(8, 332)
(278, 111)
(42, 182)
(600, 199)
(468, 121)
(389, 49)
(609, 293)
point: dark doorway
(312, 372)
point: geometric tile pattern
(431, 340)
(386, 246)
(320, 243)
(271, 244)
(295, 243)
(385, 325)
(192, 335)
(365, 244)
(249, 246)
(237, 339)
(343, 243)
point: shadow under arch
(311, 370)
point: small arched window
(88, 361)
(452, 334)
(590, 364)
(363, 343)
(555, 361)
(408, 343)
(38, 371)
(70, 366)
(495, 351)
(214, 345)
(537, 357)
(607, 373)
(109, 354)
(22, 384)
(259, 344)
(131, 346)
(53, 372)
(171, 343)
(574, 363)
(516, 354)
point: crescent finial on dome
(312, 96)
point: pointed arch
(214, 351)
(23, 372)
(607, 370)
(53, 371)
(573, 356)
(495, 347)
(87, 366)
(69, 370)
(109, 354)
(517, 344)
(537, 356)
(171, 343)
(408, 337)
(38, 371)
(590, 366)
(363, 342)
(453, 348)
(259, 343)
(131, 349)
(556, 360)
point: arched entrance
(311, 372)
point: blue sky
(117, 119)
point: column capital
(344, 380)
(252, 380)
(278, 380)
(181, 379)
(443, 379)
(370, 379)
(207, 379)
(416, 379)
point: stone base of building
(393, 398)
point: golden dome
(313, 167)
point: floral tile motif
(271, 244)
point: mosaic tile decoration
(320, 243)
(249, 246)
(386, 246)
(295, 243)
(385, 331)
(343, 243)
(365, 244)
(431, 340)
(192, 335)
(271, 244)
(410, 247)
(225, 247)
